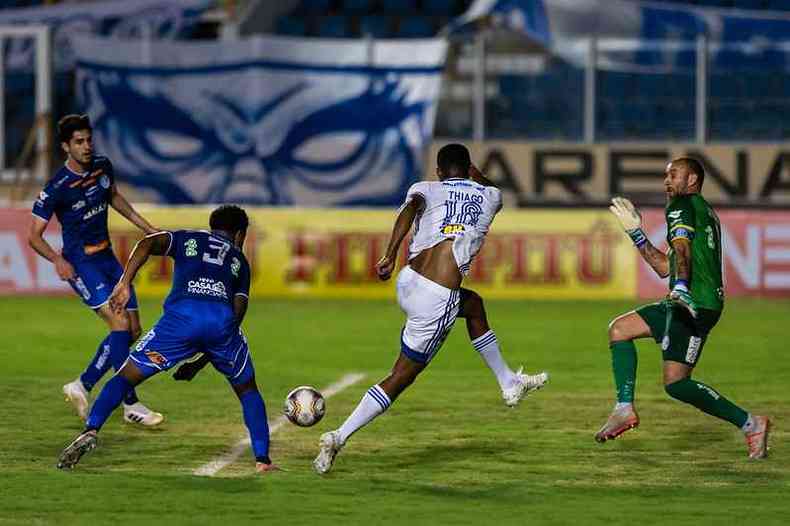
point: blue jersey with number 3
(208, 267)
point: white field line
(210, 469)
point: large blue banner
(633, 35)
(161, 19)
(276, 121)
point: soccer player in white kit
(451, 218)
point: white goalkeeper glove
(630, 219)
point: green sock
(624, 367)
(706, 399)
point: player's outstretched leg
(109, 399)
(515, 385)
(254, 411)
(69, 457)
(125, 328)
(623, 417)
(376, 401)
(679, 385)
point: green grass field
(448, 452)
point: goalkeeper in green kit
(682, 322)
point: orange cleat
(618, 423)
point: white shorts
(430, 310)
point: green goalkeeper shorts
(686, 335)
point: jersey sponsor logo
(94, 211)
(190, 247)
(145, 340)
(156, 358)
(207, 287)
(103, 357)
(82, 288)
(693, 351)
(42, 196)
(709, 390)
(674, 214)
(78, 205)
(235, 266)
(453, 229)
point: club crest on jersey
(104, 182)
(235, 266)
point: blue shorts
(96, 277)
(193, 327)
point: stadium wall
(555, 173)
(329, 253)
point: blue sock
(110, 397)
(99, 365)
(255, 418)
(119, 352)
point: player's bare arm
(681, 293)
(682, 248)
(403, 224)
(154, 244)
(37, 242)
(631, 221)
(123, 207)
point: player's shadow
(462, 451)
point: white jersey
(457, 209)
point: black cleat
(74, 451)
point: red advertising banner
(22, 271)
(756, 253)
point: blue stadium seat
(750, 4)
(291, 26)
(332, 27)
(315, 6)
(358, 6)
(415, 27)
(376, 26)
(779, 5)
(399, 6)
(439, 7)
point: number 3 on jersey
(221, 248)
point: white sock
(372, 405)
(488, 348)
(749, 426)
(623, 406)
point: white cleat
(525, 384)
(78, 396)
(137, 413)
(330, 446)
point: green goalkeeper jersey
(692, 218)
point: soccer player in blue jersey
(79, 195)
(202, 314)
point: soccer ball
(304, 406)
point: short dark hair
(71, 123)
(229, 218)
(454, 157)
(693, 166)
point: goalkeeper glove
(630, 220)
(681, 295)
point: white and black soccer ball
(304, 406)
